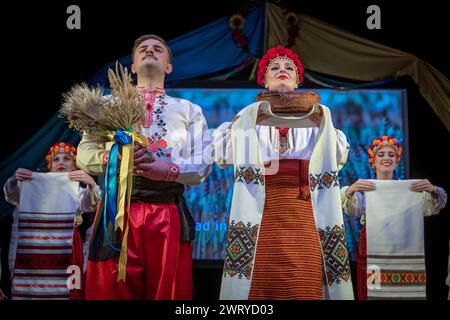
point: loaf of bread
(289, 102)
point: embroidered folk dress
(355, 206)
(43, 271)
(159, 261)
(288, 262)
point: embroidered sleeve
(174, 172)
(221, 140)
(193, 155)
(354, 206)
(342, 149)
(89, 198)
(92, 156)
(433, 205)
(12, 192)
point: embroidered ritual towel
(249, 197)
(395, 242)
(48, 203)
(49, 192)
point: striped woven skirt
(44, 253)
(288, 262)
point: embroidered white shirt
(301, 140)
(176, 132)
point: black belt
(148, 191)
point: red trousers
(159, 266)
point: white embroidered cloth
(49, 192)
(395, 241)
(48, 203)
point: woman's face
(281, 75)
(385, 160)
(62, 163)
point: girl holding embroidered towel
(390, 257)
(47, 243)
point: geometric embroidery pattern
(284, 144)
(240, 249)
(249, 175)
(335, 254)
(393, 278)
(327, 179)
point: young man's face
(62, 163)
(385, 160)
(152, 54)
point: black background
(42, 59)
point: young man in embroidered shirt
(159, 254)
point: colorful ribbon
(115, 200)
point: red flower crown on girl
(381, 142)
(282, 53)
(61, 147)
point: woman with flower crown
(384, 155)
(44, 245)
(286, 238)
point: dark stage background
(43, 59)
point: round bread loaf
(289, 102)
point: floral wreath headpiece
(60, 147)
(381, 142)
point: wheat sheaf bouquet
(113, 118)
(89, 111)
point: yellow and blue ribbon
(121, 139)
(114, 205)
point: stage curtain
(206, 50)
(332, 51)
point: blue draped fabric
(206, 50)
(32, 154)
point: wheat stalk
(87, 110)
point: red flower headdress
(274, 53)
